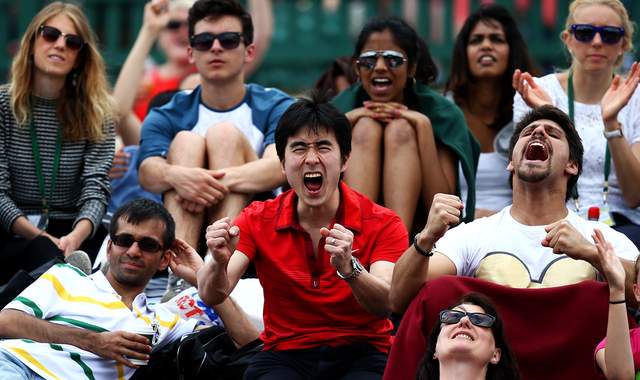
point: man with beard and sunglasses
(211, 149)
(535, 242)
(68, 325)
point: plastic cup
(147, 332)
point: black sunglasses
(51, 34)
(146, 244)
(392, 59)
(176, 24)
(204, 41)
(609, 35)
(450, 317)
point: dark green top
(449, 129)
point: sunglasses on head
(451, 317)
(51, 34)
(176, 24)
(392, 59)
(146, 244)
(609, 35)
(204, 41)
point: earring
(74, 78)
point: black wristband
(419, 249)
(616, 302)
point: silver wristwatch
(613, 134)
(356, 269)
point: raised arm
(532, 94)
(262, 14)
(185, 262)
(414, 269)
(220, 275)
(110, 345)
(156, 16)
(370, 288)
(625, 156)
(616, 359)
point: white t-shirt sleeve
(460, 246)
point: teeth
(381, 81)
(312, 175)
(462, 336)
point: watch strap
(613, 134)
(356, 269)
(419, 249)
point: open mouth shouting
(381, 86)
(536, 151)
(313, 182)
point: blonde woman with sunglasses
(56, 142)
(605, 108)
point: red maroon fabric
(150, 88)
(552, 331)
(306, 304)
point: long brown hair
(83, 106)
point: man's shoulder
(184, 105)
(265, 97)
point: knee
(186, 141)
(398, 133)
(366, 132)
(224, 131)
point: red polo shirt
(305, 303)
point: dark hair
(408, 40)
(341, 66)
(161, 98)
(140, 210)
(506, 368)
(313, 113)
(461, 79)
(576, 151)
(215, 9)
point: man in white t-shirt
(535, 242)
(67, 325)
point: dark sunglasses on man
(609, 35)
(393, 59)
(450, 317)
(51, 34)
(145, 244)
(204, 41)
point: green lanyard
(35, 151)
(607, 154)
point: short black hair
(407, 39)
(461, 79)
(549, 112)
(506, 368)
(314, 113)
(203, 9)
(140, 210)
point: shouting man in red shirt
(324, 255)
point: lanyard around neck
(607, 154)
(35, 151)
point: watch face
(356, 264)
